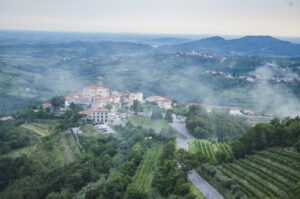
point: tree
(169, 179)
(201, 133)
(156, 114)
(220, 156)
(132, 192)
(187, 160)
(108, 106)
(58, 101)
(62, 195)
(137, 106)
(169, 117)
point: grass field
(57, 150)
(196, 192)
(144, 174)
(268, 174)
(40, 127)
(144, 121)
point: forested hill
(251, 45)
(87, 48)
(248, 45)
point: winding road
(208, 191)
(182, 142)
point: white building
(99, 115)
(162, 102)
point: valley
(149, 118)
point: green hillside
(263, 177)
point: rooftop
(100, 110)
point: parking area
(105, 128)
(118, 118)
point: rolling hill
(248, 45)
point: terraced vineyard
(268, 174)
(144, 174)
(224, 148)
(208, 150)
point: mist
(274, 98)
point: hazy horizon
(157, 35)
(278, 18)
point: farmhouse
(248, 112)
(7, 119)
(188, 105)
(47, 105)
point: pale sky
(223, 17)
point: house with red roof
(99, 115)
(47, 105)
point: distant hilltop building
(162, 102)
(229, 109)
(47, 105)
(97, 97)
(7, 119)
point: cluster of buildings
(99, 96)
(231, 110)
(96, 98)
(99, 101)
(253, 78)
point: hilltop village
(99, 102)
(101, 105)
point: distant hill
(90, 48)
(249, 45)
(165, 41)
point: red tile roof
(167, 100)
(192, 104)
(91, 87)
(83, 112)
(47, 105)
(101, 110)
(94, 87)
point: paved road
(208, 191)
(182, 143)
(182, 129)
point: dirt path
(32, 129)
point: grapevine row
(219, 147)
(280, 159)
(204, 149)
(210, 151)
(249, 192)
(254, 182)
(263, 175)
(287, 154)
(288, 175)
